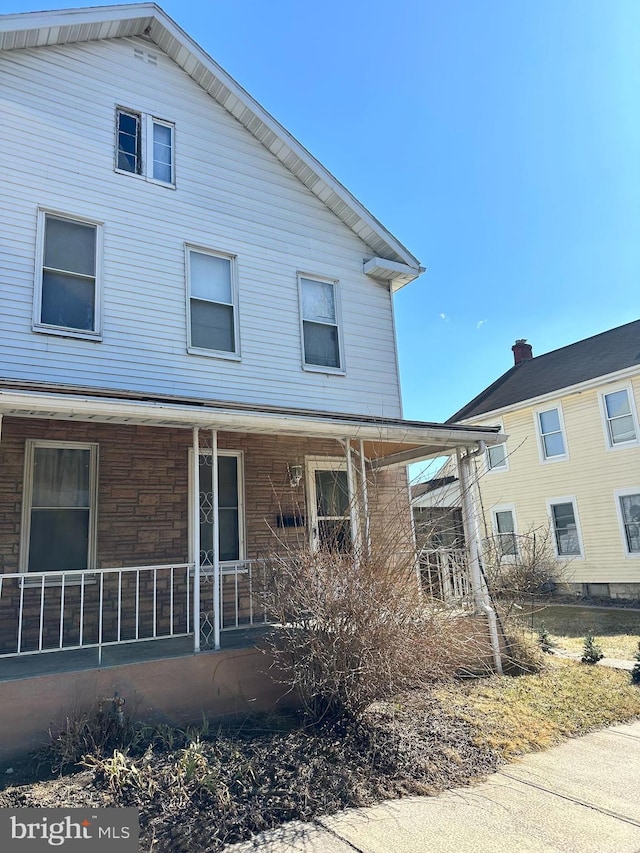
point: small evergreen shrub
(591, 651)
(544, 640)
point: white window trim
(320, 368)
(64, 331)
(505, 558)
(147, 120)
(311, 465)
(501, 468)
(214, 353)
(565, 499)
(621, 493)
(239, 455)
(27, 495)
(544, 460)
(628, 387)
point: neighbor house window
(67, 294)
(505, 531)
(629, 508)
(145, 146)
(59, 506)
(320, 325)
(552, 442)
(497, 456)
(620, 418)
(212, 303)
(565, 527)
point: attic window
(145, 146)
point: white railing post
(195, 538)
(353, 510)
(365, 500)
(216, 542)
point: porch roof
(388, 441)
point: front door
(230, 520)
(329, 505)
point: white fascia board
(29, 404)
(587, 385)
(184, 50)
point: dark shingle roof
(600, 355)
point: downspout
(481, 598)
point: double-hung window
(505, 531)
(212, 303)
(145, 146)
(564, 521)
(67, 291)
(496, 456)
(58, 520)
(551, 434)
(322, 349)
(629, 513)
(619, 415)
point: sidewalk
(581, 796)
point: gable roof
(590, 358)
(149, 21)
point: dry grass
(517, 715)
(617, 631)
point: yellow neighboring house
(572, 457)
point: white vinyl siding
(211, 303)
(552, 440)
(67, 292)
(59, 506)
(233, 195)
(620, 419)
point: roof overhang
(397, 274)
(146, 20)
(388, 442)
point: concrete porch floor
(75, 660)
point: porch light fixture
(295, 475)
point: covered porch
(117, 545)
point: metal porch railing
(71, 610)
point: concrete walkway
(582, 796)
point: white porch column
(216, 541)
(195, 538)
(353, 501)
(481, 600)
(365, 500)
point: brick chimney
(522, 351)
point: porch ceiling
(388, 441)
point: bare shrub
(520, 572)
(353, 628)
(522, 569)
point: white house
(197, 350)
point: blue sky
(498, 140)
